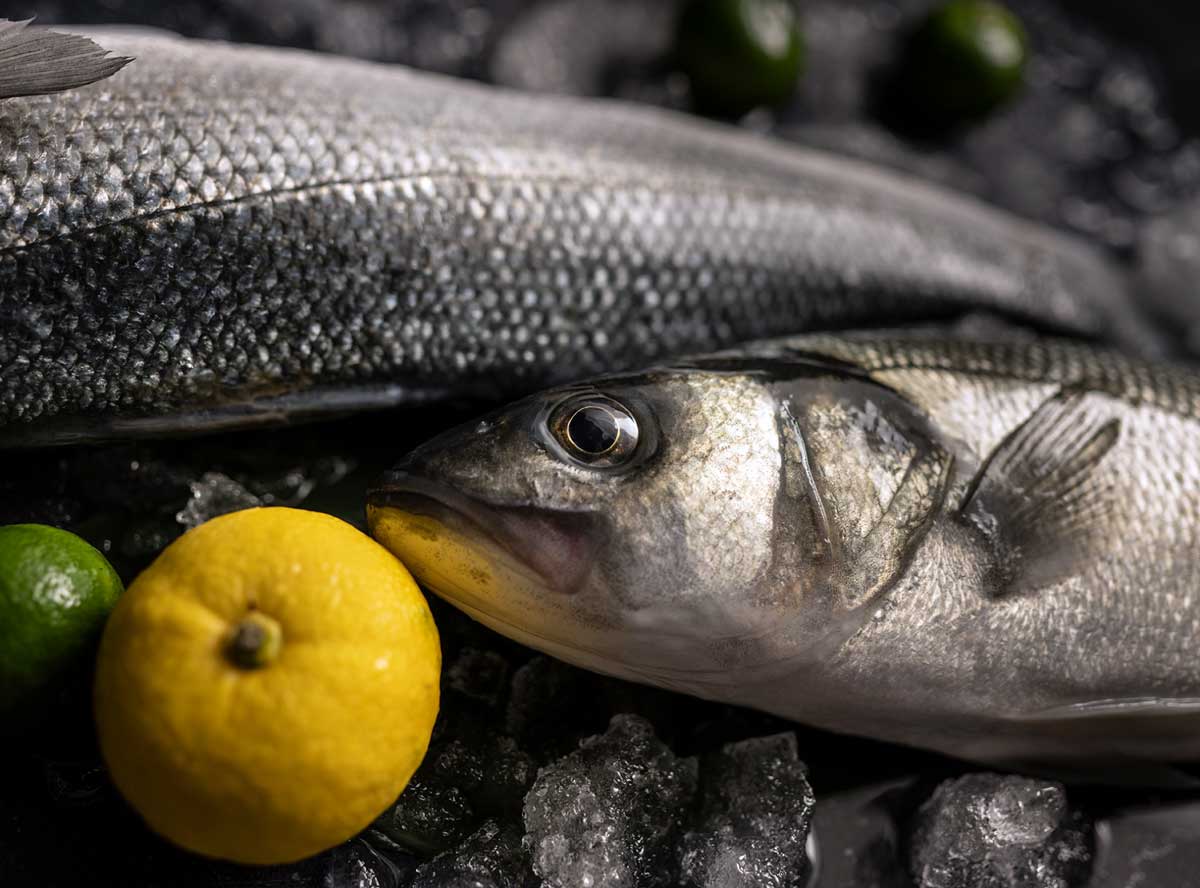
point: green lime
(55, 593)
(740, 54)
(964, 60)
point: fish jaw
(521, 571)
(463, 546)
(529, 575)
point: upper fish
(989, 549)
(219, 235)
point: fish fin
(38, 61)
(1039, 496)
(1151, 741)
(1118, 707)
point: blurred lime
(965, 59)
(740, 54)
(55, 593)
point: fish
(986, 548)
(217, 236)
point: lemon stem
(255, 642)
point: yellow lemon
(267, 686)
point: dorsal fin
(1039, 496)
(37, 61)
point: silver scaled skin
(221, 235)
(985, 549)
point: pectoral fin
(1043, 496)
(37, 61)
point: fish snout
(462, 546)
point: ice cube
(544, 714)
(76, 784)
(358, 864)
(754, 813)
(480, 675)
(608, 814)
(492, 857)
(994, 831)
(1148, 845)
(489, 769)
(430, 815)
(460, 782)
(214, 494)
(857, 834)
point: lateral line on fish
(675, 185)
(439, 175)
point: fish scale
(276, 234)
(984, 548)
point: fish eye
(595, 430)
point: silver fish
(985, 549)
(221, 235)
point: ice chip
(490, 770)
(293, 486)
(993, 831)
(357, 864)
(858, 834)
(76, 784)
(460, 782)
(754, 814)
(214, 494)
(607, 815)
(492, 857)
(1148, 845)
(480, 675)
(543, 711)
(430, 815)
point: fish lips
(559, 547)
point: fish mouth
(545, 548)
(525, 572)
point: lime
(55, 593)
(740, 54)
(964, 60)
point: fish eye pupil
(593, 430)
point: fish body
(985, 549)
(221, 235)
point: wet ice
(492, 857)
(214, 494)
(993, 831)
(607, 815)
(754, 814)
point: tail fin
(37, 61)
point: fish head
(621, 525)
(667, 527)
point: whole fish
(986, 549)
(221, 235)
